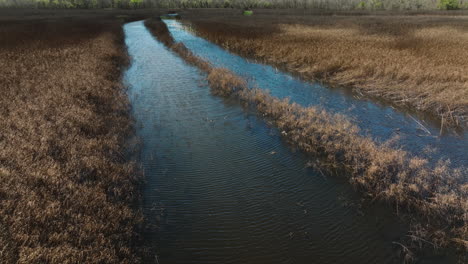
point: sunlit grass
(420, 62)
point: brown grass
(415, 61)
(68, 194)
(436, 194)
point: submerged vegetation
(67, 193)
(437, 195)
(413, 61)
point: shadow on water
(418, 133)
(225, 188)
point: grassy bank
(415, 61)
(435, 194)
(68, 193)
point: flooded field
(224, 187)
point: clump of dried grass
(420, 62)
(67, 193)
(436, 194)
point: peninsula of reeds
(434, 195)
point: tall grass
(413, 61)
(435, 194)
(68, 194)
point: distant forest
(310, 4)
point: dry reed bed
(415, 61)
(67, 192)
(437, 195)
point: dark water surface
(226, 189)
(419, 133)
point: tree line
(307, 4)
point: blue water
(224, 188)
(378, 120)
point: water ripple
(223, 186)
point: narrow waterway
(224, 187)
(418, 133)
